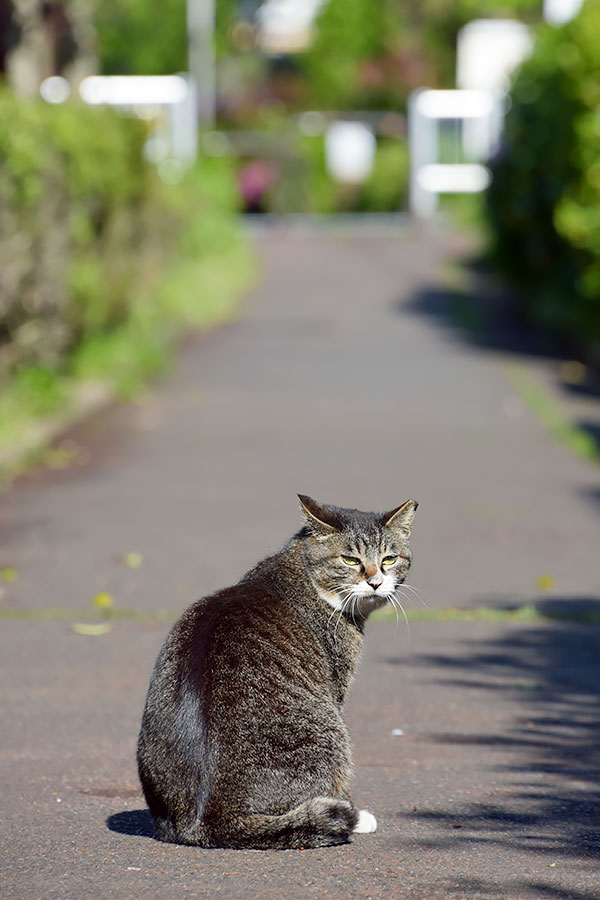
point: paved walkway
(345, 380)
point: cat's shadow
(132, 821)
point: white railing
(480, 116)
(487, 53)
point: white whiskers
(343, 593)
(350, 602)
(349, 597)
(398, 606)
(414, 591)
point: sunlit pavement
(347, 379)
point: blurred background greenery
(362, 61)
(543, 206)
(103, 264)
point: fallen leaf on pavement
(545, 582)
(9, 573)
(133, 560)
(103, 601)
(92, 629)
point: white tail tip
(367, 823)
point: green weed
(549, 413)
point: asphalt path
(476, 742)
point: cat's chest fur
(343, 642)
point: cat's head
(356, 560)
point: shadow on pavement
(583, 610)
(482, 315)
(592, 429)
(475, 887)
(132, 821)
(479, 317)
(588, 388)
(592, 496)
(549, 803)
(576, 609)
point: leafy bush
(135, 38)
(73, 193)
(139, 38)
(101, 264)
(347, 33)
(386, 188)
(305, 185)
(369, 54)
(188, 276)
(544, 201)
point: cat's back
(245, 638)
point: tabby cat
(242, 742)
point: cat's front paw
(367, 823)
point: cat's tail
(320, 822)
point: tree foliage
(137, 38)
(372, 53)
(544, 201)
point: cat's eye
(389, 560)
(351, 560)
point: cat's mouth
(384, 589)
(372, 597)
(357, 598)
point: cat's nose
(375, 581)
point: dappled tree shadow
(590, 387)
(592, 429)
(476, 887)
(554, 671)
(481, 314)
(592, 495)
(584, 610)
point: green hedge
(73, 194)
(304, 185)
(385, 190)
(370, 54)
(544, 201)
(101, 264)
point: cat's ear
(316, 517)
(401, 516)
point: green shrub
(73, 191)
(139, 38)
(305, 185)
(101, 264)
(189, 276)
(386, 188)
(544, 201)
(369, 54)
(348, 32)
